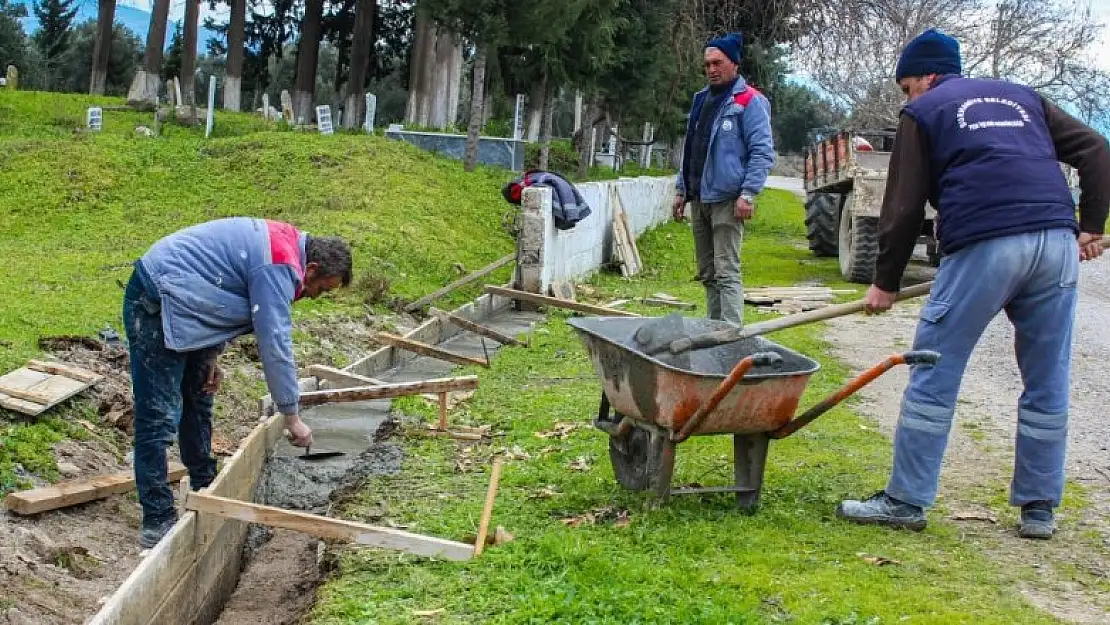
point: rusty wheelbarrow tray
(750, 389)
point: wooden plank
(481, 330)
(142, 593)
(69, 371)
(424, 349)
(630, 233)
(19, 405)
(387, 391)
(481, 273)
(622, 250)
(487, 509)
(327, 527)
(331, 374)
(31, 396)
(544, 300)
(73, 492)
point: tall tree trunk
(145, 85)
(423, 52)
(584, 136)
(189, 52)
(308, 51)
(355, 109)
(477, 100)
(446, 72)
(535, 110)
(233, 78)
(545, 132)
(102, 49)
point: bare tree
(851, 49)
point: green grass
(694, 560)
(79, 208)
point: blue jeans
(1033, 278)
(169, 399)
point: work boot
(882, 509)
(149, 536)
(1037, 520)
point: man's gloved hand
(299, 434)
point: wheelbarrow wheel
(637, 458)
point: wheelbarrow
(749, 389)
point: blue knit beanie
(731, 44)
(931, 52)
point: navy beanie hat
(731, 44)
(931, 52)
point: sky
(1102, 10)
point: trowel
(320, 455)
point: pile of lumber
(793, 299)
(625, 251)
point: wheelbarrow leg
(663, 476)
(750, 453)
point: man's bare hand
(215, 376)
(299, 434)
(1090, 246)
(676, 209)
(744, 209)
(878, 300)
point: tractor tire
(822, 217)
(859, 248)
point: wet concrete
(278, 583)
(350, 427)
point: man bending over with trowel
(190, 294)
(985, 152)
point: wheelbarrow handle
(921, 358)
(762, 359)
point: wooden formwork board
(188, 576)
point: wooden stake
(388, 391)
(481, 273)
(555, 302)
(466, 324)
(327, 527)
(487, 510)
(424, 349)
(71, 493)
(443, 411)
(332, 374)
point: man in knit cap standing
(985, 153)
(728, 156)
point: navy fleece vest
(992, 159)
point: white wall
(570, 254)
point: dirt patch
(279, 585)
(112, 396)
(1072, 568)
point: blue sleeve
(761, 145)
(680, 181)
(272, 289)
